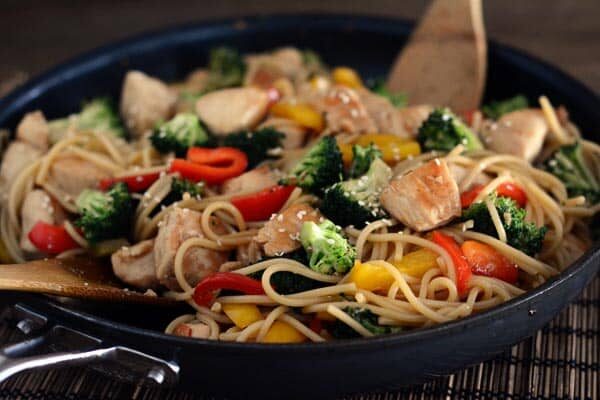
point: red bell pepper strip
(505, 189)
(461, 265)
(485, 260)
(261, 205)
(203, 293)
(467, 116)
(213, 166)
(135, 183)
(51, 239)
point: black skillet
(127, 343)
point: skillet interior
(369, 44)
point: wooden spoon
(80, 278)
(445, 60)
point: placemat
(560, 362)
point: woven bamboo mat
(562, 361)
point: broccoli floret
(256, 145)
(362, 157)
(100, 115)
(366, 318)
(356, 202)
(179, 134)
(568, 165)
(398, 99)
(496, 109)
(320, 167)
(522, 235)
(329, 252)
(226, 68)
(104, 215)
(442, 130)
(312, 59)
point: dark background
(36, 34)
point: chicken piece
(38, 206)
(144, 102)
(295, 134)
(413, 117)
(425, 198)
(281, 234)
(135, 265)
(33, 129)
(386, 116)
(345, 112)
(520, 133)
(250, 182)
(459, 173)
(248, 254)
(232, 110)
(72, 175)
(17, 157)
(198, 262)
(198, 330)
(264, 69)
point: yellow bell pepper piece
(393, 148)
(5, 257)
(242, 315)
(281, 332)
(303, 114)
(347, 77)
(346, 150)
(376, 278)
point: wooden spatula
(445, 60)
(80, 278)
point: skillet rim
(83, 64)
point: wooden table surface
(36, 34)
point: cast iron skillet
(368, 44)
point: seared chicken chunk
(135, 265)
(72, 175)
(294, 133)
(232, 110)
(196, 330)
(345, 112)
(18, 156)
(145, 101)
(413, 117)
(33, 129)
(425, 198)
(281, 234)
(264, 69)
(249, 182)
(520, 133)
(178, 226)
(386, 116)
(38, 206)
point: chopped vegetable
(51, 239)
(356, 201)
(392, 147)
(398, 99)
(282, 332)
(260, 206)
(443, 131)
(312, 60)
(100, 115)
(256, 145)
(320, 167)
(496, 109)
(569, 165)
(347, 77)
(180, 186)
(329, 252)
(523, 236)
(179, 134)
(226, 69)
(104, 215)
(485, 260)
(213, 166)
(461, 266)
(362, 157)
(242, 315)
(135, 183)
(376, 278)
(303, 114)
(366, 318)
(505, 189)
(204, 291)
